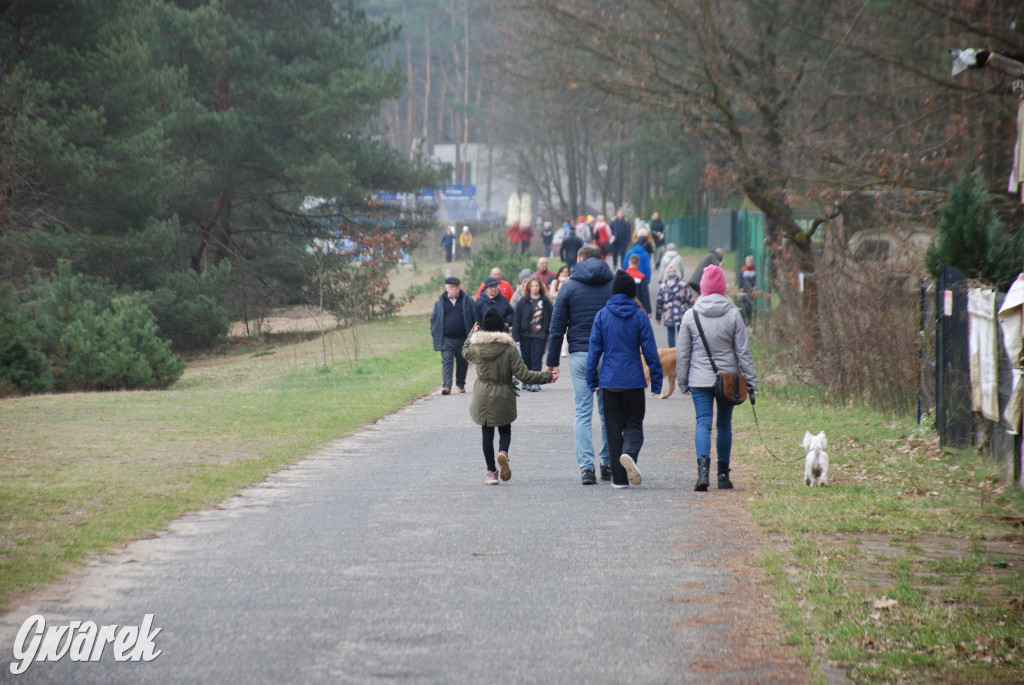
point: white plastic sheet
(981, 310)
(1010, 323)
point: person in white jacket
(672, 257)
(727, 338)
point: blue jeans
(671, 335)
(585, 414)
(703, 403)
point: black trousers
(618, 252)
(532, 350)
(504, 441)
(624, 421)
(451, 355)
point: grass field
(82, 472)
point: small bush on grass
(73, 332)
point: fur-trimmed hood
(490, 344)
(490, 338)
(496, 360)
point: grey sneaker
(504, 470)
(606, 472)
(617, 486)
(588, 477)
(492, 478)
(631, 470)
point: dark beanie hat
(492, 321)
(623, 284)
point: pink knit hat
(712, 281)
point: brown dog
(667, 355)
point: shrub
(189, 311)
(115, 348)
(22, 364)
(78, 333)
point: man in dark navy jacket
(492, 298)
(579, 300)
(451, 322)
(621, 232)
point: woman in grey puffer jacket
(727, 337)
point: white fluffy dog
(816, 462)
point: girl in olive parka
(494, 398)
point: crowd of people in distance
(594, 314)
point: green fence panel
(688, 231)
(750, 241)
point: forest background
(168, 166)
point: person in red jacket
(513, 234)
(525, 236)
(602, 235)
(504, 287)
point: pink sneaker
(492, 478)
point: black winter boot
(703, 467)
(723, 476)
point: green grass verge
(82, 472)
(909, 567)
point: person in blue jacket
(642, 255)
(621, 331)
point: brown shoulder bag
(729, 387)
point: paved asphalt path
(385, 558)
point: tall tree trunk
(465, 92)
(206, 233)
(410, 82)
(221, 211)
(426, 89)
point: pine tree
(281, 98)
(972, 238)
(82, 142)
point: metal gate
(953, 419)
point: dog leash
(763, 444)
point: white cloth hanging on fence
(1010, 322)
(1017, 156)
(981, 311)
